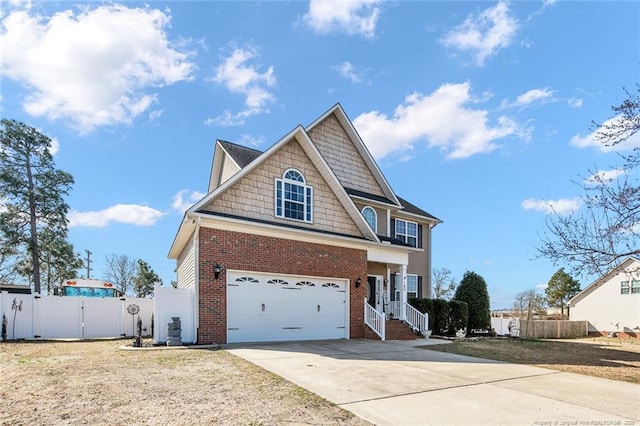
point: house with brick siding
(304, 241)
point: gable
(229, 159)
(253, 195)
(338, 149)
(629, 269)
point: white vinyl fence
(32, 316)
(175, 302)
(506, 326)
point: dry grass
(45, 383)
(614, 359)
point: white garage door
(268, 308)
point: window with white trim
(407, 232)
(294, 198)
(412, 286)
(371, 217)
(624, 287)
(635, 287)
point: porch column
(387, 291)
(403, 278)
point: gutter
(196, 299)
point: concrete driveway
(400, 383)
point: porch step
(394, 330)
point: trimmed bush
(441, 312)
(459, 316)
(473, 290)
(444, 317)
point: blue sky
(477, 112)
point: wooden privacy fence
(548, 329)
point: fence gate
(55, 317)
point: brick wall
(239, 251)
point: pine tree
(145, 279)
(560, 289)
(32, 191)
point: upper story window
(624, 287)
(371, 217)
(635, 287)
(294, 198)
(407, 231)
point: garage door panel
(263, 307)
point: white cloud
(533, 96)
(238, 76)
(185, 198)
(132, 214)
(55, 146)
(155, 114)
(591, 140)
(248, 140)
(485, 34)
(346, 16)
(348, 71)
(561, 206)
(442, 119)
(575, 102)
(605, 176)
(97, 67)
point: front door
(374, 292)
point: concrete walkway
(400, 383)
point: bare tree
(444, 284)
(121, 271)
(528, 302)
(600, 235)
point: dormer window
(371, 217)
(294, 198)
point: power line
(88, 263)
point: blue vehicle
(88, 287)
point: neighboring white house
(612, 302)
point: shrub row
(445, 317)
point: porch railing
(417, 319)
(374, 319)
(394, 309)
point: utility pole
(88, 263)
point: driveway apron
(404, 383)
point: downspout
(196, 259)
(428, 277)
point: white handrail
(417, 319)
(374, 319)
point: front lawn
(613, 358)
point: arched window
(371, 217)
(294, 199)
